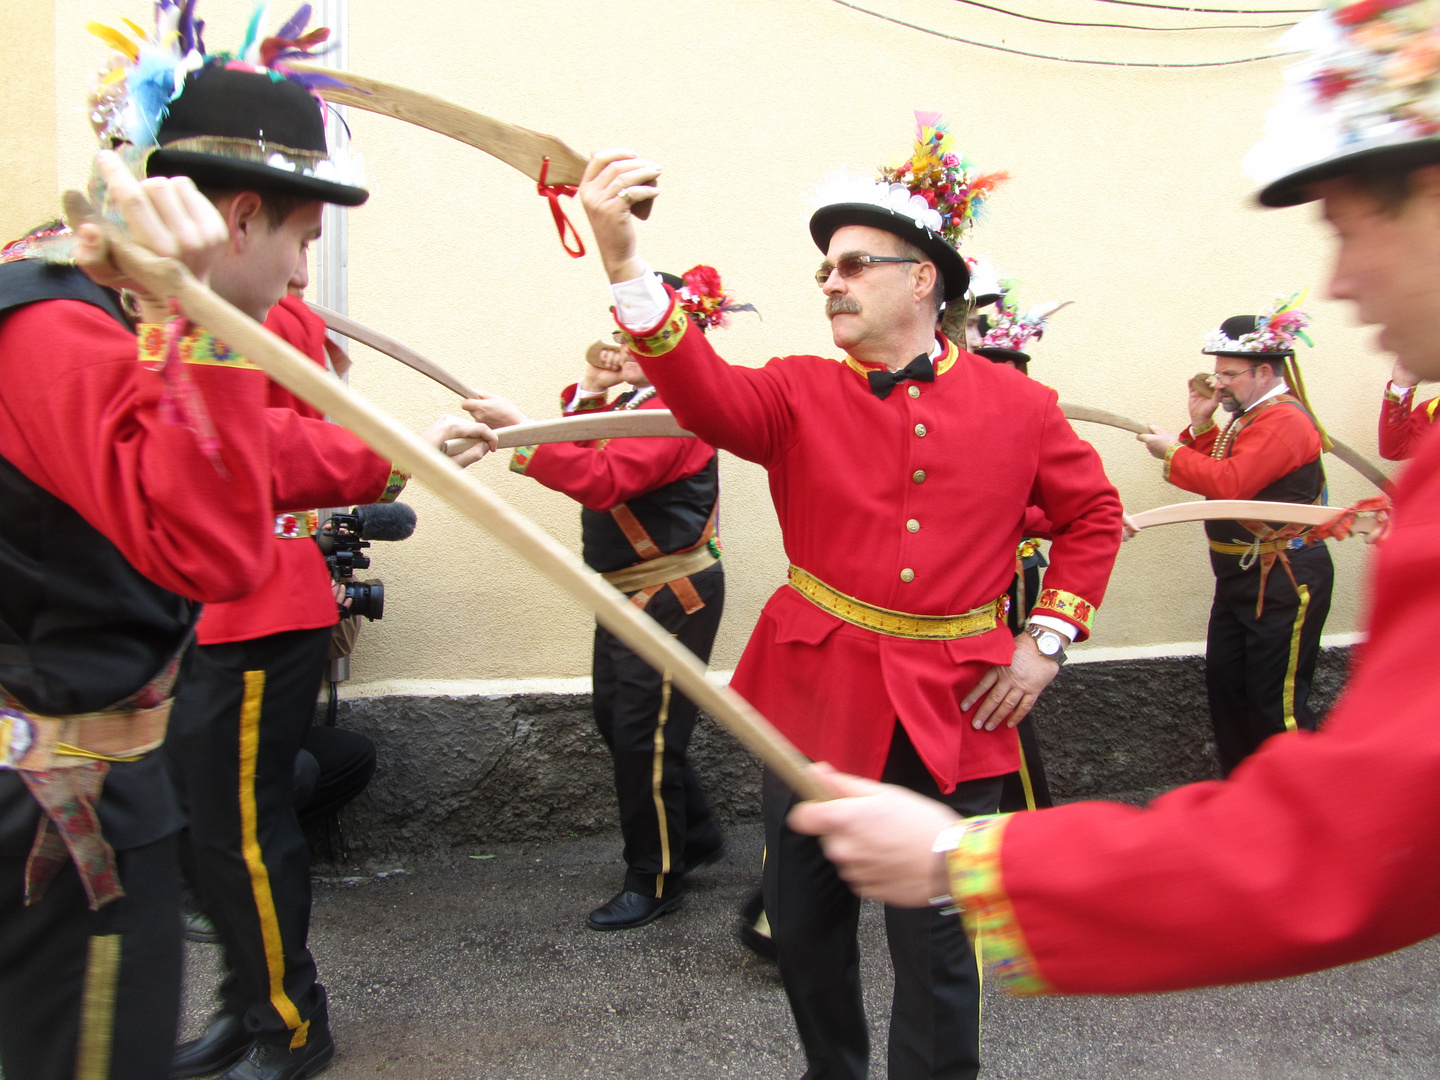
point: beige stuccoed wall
(1128, 198)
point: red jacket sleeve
(1401, 426)
(1275, 443)
(1265, 875)
(603, 476)
(756, 419)
(82, 417)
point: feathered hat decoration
(148, 71)
(941, 176)
(1369, 84)
(1274, 332)
(1012, 331)
(704, 299)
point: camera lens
(366, 598)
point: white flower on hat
(842, 187)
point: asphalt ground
(487, 970)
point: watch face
(1049, 643)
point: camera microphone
(385, 521)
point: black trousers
(1028, 789)
(333, 767)
(935, 1014)
(1258, 671)
(239, 721)
(665, 818)
(91, 995)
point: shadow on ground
(485, 970)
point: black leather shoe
(755, 928)
(627, 910)
(224, 1043)
(272, 1059)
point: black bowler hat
(1227, 340)
(242, 128)
(1365, 98)
(1269, 336)
(832, 217)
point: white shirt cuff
(641, 301)
(581, 395)
(1060, 626)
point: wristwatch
(1050, 644)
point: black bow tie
(882, 382)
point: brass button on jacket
(913, 525)
(920, 430)
(907, 575)
(914, 391)
(919, 476)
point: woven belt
(299, 526)
(37, 743)
(898, 623)
(1255, 547)
(662, 570)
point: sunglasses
(850, 265)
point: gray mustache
(842, 305)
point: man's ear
(244, 216)
(925, 278)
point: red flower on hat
(703, 280)
(1362, 11)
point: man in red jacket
(900, 475)
(242, 716)
(649, 524)
(1268, 874)
(1263, 640)
(1403, 423)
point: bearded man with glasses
(900, 475)
(1263, 640)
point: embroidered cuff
(1400, 394)
(1067, 604)
(663, 337)
(520, 460)
(976, 885)
(394, 485)
(1165, 466)
(1196, 430)
(587, 401)
(197, 346)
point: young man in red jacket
(1263, 640)
(900, 475)
(649, 524)
(1268, 874)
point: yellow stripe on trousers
(250, 848)
(656, 773)
(1025, 780)
(1289, 692)
(97, 1008)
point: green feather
(252, 32)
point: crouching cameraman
(241, 717)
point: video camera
(342, 538)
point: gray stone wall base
(459, 773)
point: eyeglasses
(1223, 378)
(850, 265)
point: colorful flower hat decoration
(930, 200)
(986, 286)
(227, 120)
(1268, 336)
(702, 295)
(1008, 334)
(1367, 88)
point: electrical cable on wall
(1124, 26)
(1049, 56)
(1214, 11)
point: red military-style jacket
(1264, 875)
(601, 475)
(1277, 440)
(1401, 427)
(913, 503)
(337, 469)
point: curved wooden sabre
(302, 377)
(343, 324)
(518, 147)
(640, 424)
(1247, 510)
(1350, 456)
